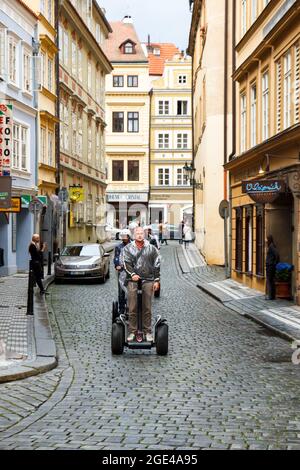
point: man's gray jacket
(145, 262)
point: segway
(119, 331)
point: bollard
(30, 291)
(49, 262)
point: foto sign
(5, 192)
(5, 138)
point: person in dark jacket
(271, 262)
(119, 266)
(36, 254)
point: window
(265, 105)
(50, 148)
(163, 107)
(80, 65)
(12, 60)
(133, 170)
(156, 51)
(79, 136)
(66, 125)
(132, 81)
(89, 75)
(43, 145)
(74, 58)
(260, 241)
(244, 17)
(50, 74)
(20, 147)
(253, 10)
(118, 170)
(248, 240)
(182, 108)
(128, 48)
(118, 80)
(90, 141)
(182, 79)
(65, 47)
(163, 176)
(182, 141)
(287, 90)
(239, 239)
(243, 123)
(182, 179)
(74, 132)
(163, 141)
(118, 122)
(27, 67)
(2, 51)
(253, 115)
(133, 122)
(98, 147)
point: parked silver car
(82, 261)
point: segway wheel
(162, 340)
(117, 339)
(115, 311)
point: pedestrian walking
(165, 233)
(160, 232)
(271, 261)
(36, 252)
(181, 232)
(187, 232)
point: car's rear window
(78, 250)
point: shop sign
(263, 191)
(127, 197)
(15, 207)
(5, 138)
(5, 192)
(76, 194)
(27, 198)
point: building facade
(127, 134)
(265, 170)
(171, 196)
(211, 121)
(83, 66)
(18, 26)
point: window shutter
(297, 82)
(279, 96)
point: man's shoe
(130, 338)
(149, 338)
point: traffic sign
(35, 205)
(63, 195)
(224, 209)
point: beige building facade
(264, 173)
(83, 29)
(171, 195)
(127, 133)
(212, 120)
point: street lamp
(189, 172)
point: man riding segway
(142, 263)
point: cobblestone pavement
(227, 383)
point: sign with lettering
(76, 194)
(5, 192)
(15, 206)
(263, 191)
(127, 197)
(5, 138)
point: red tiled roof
(157, 62)
(120, 34)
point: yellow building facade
(171, 196)
(83, 66)
(265, 170)
(127, 133)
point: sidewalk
(281, 316)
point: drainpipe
(36, 49)
(193, 146)
(57, 127)
(232, 154)
(150, 122)
(225, 131)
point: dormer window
(156, 51)
(128, 47)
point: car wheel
(108, 274)
(162, 339)
(117, 339)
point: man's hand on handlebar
(156, 286)
(135, 278)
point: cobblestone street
(227, 383)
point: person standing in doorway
(36, 252)
(271, 262)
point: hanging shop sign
(264, 191)
(76, 194)
(15, 207)
(5, 138)
(5, 192)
